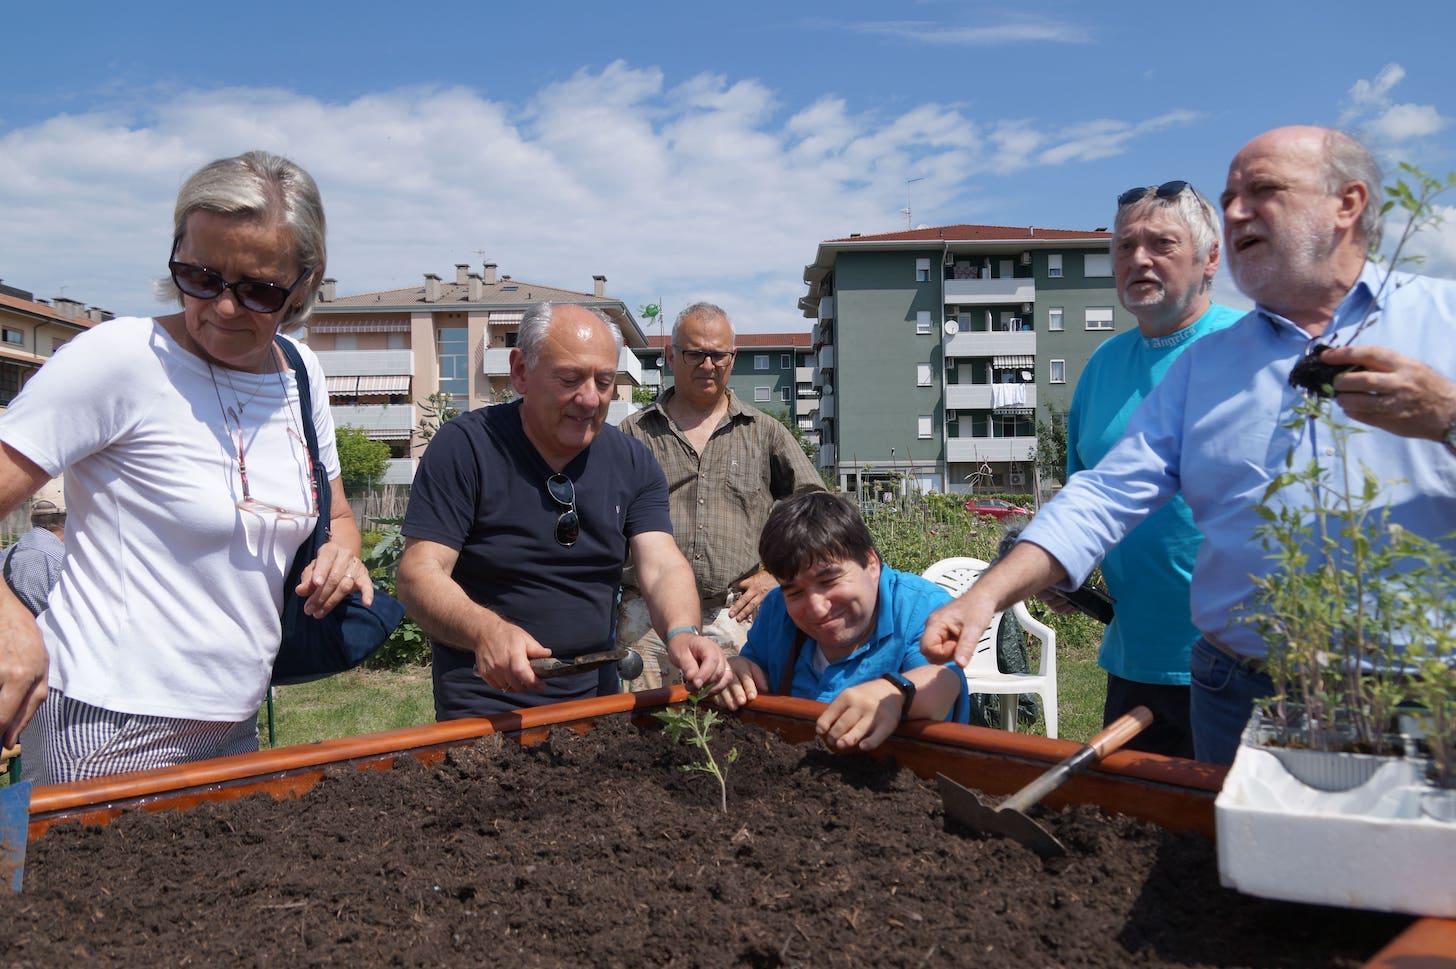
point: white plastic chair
(956, 575)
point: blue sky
(686, 151)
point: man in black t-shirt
(519, 521)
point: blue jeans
(1221, 701)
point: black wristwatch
(906, 688)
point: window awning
(1018, 410)
(1012, 363)
(364, 386)
(369, 326)
(388, 433)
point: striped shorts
(68, 740)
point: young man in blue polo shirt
(842, 628)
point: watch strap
(906, 688)
(676, 630)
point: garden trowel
(14, 824)
(549, 667)
(1008, 819)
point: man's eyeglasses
(261, 508)
(1165, 191)
(568, 525)
(695, 358)
(199, 282)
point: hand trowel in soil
(14, 825)
(550, 667)
(1009, 819)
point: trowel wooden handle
(1120, 731)
(10, 753)
(1117, 733)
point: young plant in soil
(694, 723)
(1356, 610)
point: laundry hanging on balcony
(1006, 397)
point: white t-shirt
(170, 597)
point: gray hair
(700, 308)
(537, 320)
(1346, 161)
(1195, 212)
(259, 185)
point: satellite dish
(952, 327)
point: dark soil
(594, 850)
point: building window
(1054, 265)
(786, 361)
(1097, 264)
(806, 423)
(13, 337)
(762, 395)
(1099, 317)
(922, 428)
(1058, 372)
(760, 361)
(453, 351)
(786, 394)
(346, 341)
(922, 270)
(922, 375)
(1054, 319)
(922, 322)
(398, 341)
(1007, 268)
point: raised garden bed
(592, 849)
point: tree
(361, 460)
(643, 396)
(439, 408)
(1051, 443)
(782, 416)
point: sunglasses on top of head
(1165, 191)
(199, 282)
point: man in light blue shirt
(842, 628)
(1165, 254)
(1301, 208)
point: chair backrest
(956, 575)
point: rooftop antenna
(907, 209)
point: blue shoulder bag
(314, 648)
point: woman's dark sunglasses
(1167, 190)
(568, 525)
(199, 282)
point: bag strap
(310, 435)
(786, 681)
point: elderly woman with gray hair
(189, 488)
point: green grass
(357, 702)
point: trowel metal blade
(14, 832)
(963, 805)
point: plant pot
(1362, 832)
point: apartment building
(384, 352)
(772, 371)
(32, 329)
(936, 349)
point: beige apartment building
(384, 352)
(32, 329)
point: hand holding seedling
(1393, 392)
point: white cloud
(1024, 30)
(706, 187)
(1370, 108)
(1434, 246)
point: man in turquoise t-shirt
(1164, 255)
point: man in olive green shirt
(726, 464)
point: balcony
(826, 407)
(367, 363)
(651, 378)
(377, 420)
(619, 410)
(826, 307)
(990, 291)
(497, 361)
(979, 396)
(974, 450)
(826, 357)
(630, 366)
(399, 471)
(996, 343)
(804, 406)
(803, 375)
(827, 456)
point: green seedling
(694, 723)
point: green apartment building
(935, 349)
